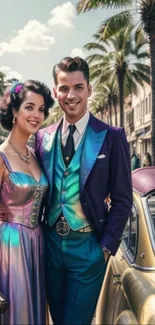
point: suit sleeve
(38, 141)
(120, 193)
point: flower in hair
(16, 88)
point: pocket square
(101, 156)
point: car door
(112, 300)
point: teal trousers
(75, 268)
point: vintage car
(128, 291)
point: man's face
(72, 92)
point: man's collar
(80, 124)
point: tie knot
(72, 128)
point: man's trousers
(74, 272)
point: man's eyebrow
(62, 86)
(65, 86)
(80, 84)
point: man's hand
(106, 255)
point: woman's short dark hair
(15, 95)
(69, 64)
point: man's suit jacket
(105, 168)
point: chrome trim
(129, 256)
(149, 221)
(143, 268)
(127, 253)
(116, 282)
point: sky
(36, 34)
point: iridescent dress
(22, 248)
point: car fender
(127, 318)
(139, 290)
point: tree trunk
(115, 110)
(120, 76)
(110, 113)
(101, 111)
(115, 103)
(152, 56)
(2, 85)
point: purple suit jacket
(105, 168)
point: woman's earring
(14, 120)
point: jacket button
(85, 203)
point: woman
(23, 185)
(147, 161)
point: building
(138, 122)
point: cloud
(32, 37)
(36, 36)
(10, 74)
(63, 15)
(77, 52)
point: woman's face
(31, 114)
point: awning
(131, 138)
(147, 135)
(141, 136)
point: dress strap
(6, 161)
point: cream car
(128, 291)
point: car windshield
(151, 205)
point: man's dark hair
(69, 64)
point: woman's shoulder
(2, 167)
(3, 158)
(2, 154)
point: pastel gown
(22, 248)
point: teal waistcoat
(66, 189)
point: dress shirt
(80, 129)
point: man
(135, 161)
(85, 161)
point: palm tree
(120, 57)
(98, 104)
(106, 98)
(2, 85)
(146, 9)
(111, 89)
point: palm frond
(130, 86)
(143, 55)
(114, 24)
(143, 68)
(97, 37)
(98, 58)
(95, 46)
(86, 5)
(101, 59)
(140, 77)
(140, 36)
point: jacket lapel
(92, 146)
(48, 155)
